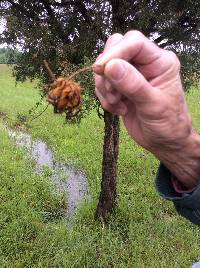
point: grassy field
(145, 231)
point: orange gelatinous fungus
(64, 95)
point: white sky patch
(2, 25)
(2, 28)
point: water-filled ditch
(67, 179)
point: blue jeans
(196, 265)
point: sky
(2, 26)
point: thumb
(126, 79)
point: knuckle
(186, 127)
(115, 36)
(173, 59)
(135, 34)
(187, 130)
(108, 86)
(99, 81)
(160, 111)
(98, 94)
(112, 40)
(105, 105)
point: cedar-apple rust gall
(65, 94)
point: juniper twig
(85, 69)
(51, 74)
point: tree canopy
(9, 56)
(70, 30)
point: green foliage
(2, 56)
(190, 68)
(9, 56)
(69, 31)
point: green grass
(145, 231)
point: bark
(107, 199)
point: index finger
(113, 40)
(133, 47)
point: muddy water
(66, 178)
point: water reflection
(66, 178)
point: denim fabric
(186, 204)
(196, 265)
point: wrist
(183, 159)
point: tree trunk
(107, 199)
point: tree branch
(84, 12)
(22, 9)
(54, 24)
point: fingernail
(98, 69)
(117, 71)
(108, 86)
(112, 99)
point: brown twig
(53, 77)
(85, 69)
(51, 74)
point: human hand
(141, 82)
